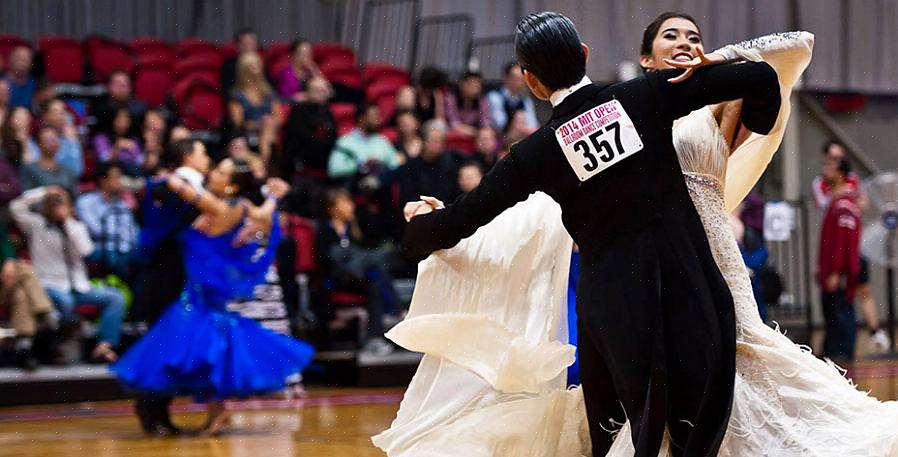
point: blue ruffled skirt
(210, 353)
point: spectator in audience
(311, 131)
(434, 173)
(430, 101)
(517, 128)
(119, 95)
(116, 142)
(294, 79)
(58, 244)
(56, 116)
(247, 41)
(152, 137)
(838, 262)
(16, 144)
(9, 183)
(47, 171)
(512, 96)
(409, 143)
(469, 175)
(178, 133)
(22, 87)
(405, 101)
(834, 151)
(468, 111)
(21, 293)
(253, 108)
(4, 100)
(238, 149)
(363, 150)
(338, 246)
(486, 148)
(109, 221)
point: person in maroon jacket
(838, 262)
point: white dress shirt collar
(559, 95)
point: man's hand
(700, 60)
(832, 282)
(423, 206)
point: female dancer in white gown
(489, 315)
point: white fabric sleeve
(789, 54)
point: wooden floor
(327, 423)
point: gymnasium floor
(326, 422)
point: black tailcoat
(657, 328)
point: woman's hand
(699, 61)
(277, 188)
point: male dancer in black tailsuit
(656, 319)
(161, 279)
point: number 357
(601, 148)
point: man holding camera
(58, 244)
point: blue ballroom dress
(200, 348)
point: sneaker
(881, 340)
(379, 347)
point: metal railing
(444, 42)
(491, 55)
(389, 32)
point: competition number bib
(598, 138)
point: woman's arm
(202, 200)
(235, 111)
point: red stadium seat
(391, 134)
(7, 43)
(323, 51)
(199, 103)
(375, 72)
(63, 59)
(460, 142)
(276, 50)
(229, 50)
(380, 89)
(344, 116)
(347, 77)
(191, 46)
(152, 84)
(106, 56)
(150, 51)
(275, 67)
(302, 230)
(196, 64)
(387, 107)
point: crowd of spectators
(72, 170)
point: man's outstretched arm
(504, 186)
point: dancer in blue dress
(198, 347)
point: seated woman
(116, 142)
(293, 80)
(467, 110)
(198, 347)
(16, 144)
(344, 260)
(253, 108)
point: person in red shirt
(835, 151)
(838, 262)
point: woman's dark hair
(295, 44)
(844, 167)
(432, 78)
(13, 149)
(547, 45)
(104, 168)
(651, 31)
(245, 180)
(108, 126)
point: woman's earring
(229, 190)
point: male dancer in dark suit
(165, 217)
(656, 319)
